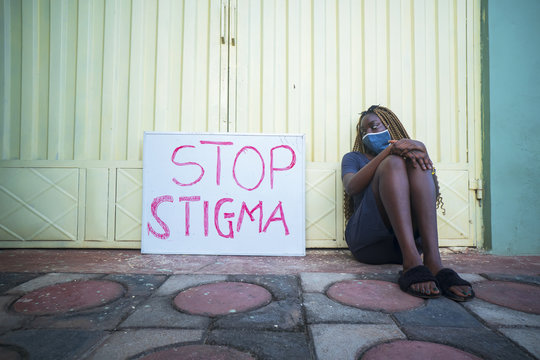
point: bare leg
(393, 180)
(423, 198)
(392, 189)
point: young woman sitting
(391, 197)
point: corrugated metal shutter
(82, 80)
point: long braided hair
(397, 132)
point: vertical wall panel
(357, 78)
(372, 41)
(294, 117)
(431, 98)
(319, 63)
(214, 64)
(270, 53)
(424, 80)
(194, 110)
(35, 79)
(227, 67)
(168, 65)
(445, 15)
(10, 78)
(408, 98)
(464, 48)
(306, 76)
(91, 22)
(395, 56)
(63, 55)
(380, 49)
(96, 209)
(345, 58)
(324, 81)
(142, 74)
(249, 74)
(115, 80)
(201, 116)
(280, 59)
(329, 120)
(190, 66)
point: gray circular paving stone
(6, 353)
(222, 298)
(199, 352)
(521, 297)
(66, 297)
(373, 295)
(413, 350)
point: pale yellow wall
(82, 80)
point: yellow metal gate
(82, 80)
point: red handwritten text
(276, 216)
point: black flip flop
(448, 278)
(415, 275)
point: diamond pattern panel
(320, 204)
(38, 204)
(128, 204)
(454, 224)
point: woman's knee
(392, 163)
(392, 167)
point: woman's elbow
(348, 188)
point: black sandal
(415, 275)
(448, 278)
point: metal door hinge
(478, 186)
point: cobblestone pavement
(360, 314)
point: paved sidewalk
(110, 304)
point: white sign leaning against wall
(223, 194)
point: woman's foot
(457, 287)
(420, 282)
(428, 288)
(453, 286)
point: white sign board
(223, 194)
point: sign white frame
(223, 194)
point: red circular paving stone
(412, 350)
(199, 352)
(373, 295)
(512, 295)
(222, 298)
(71, 296)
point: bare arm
(353, 183)
(412, 150)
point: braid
(391, 122)
(397, 131)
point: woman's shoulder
(355, 156)
(353, 161)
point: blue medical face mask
(377, 142)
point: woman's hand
(413, 151)
(419, 158)
(403, 146)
